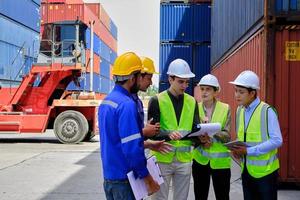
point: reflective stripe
(264, 128)
(130, 138)
(213, 155)
(167, 132)
(183, 149)
(110, 103)
(262, 162)
(237, 119)
(252, 144)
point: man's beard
(135, 88)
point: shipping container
(105, 68)
(274, 55)
(175, 22)
(96, 62)
(284, 6)
(201, 22)
(201, 64)
(170, 52)
(19, 12)
(105, 85)
(85, 83)
(232, 19)
(185, 1)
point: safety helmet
(247, 79)
(126, 64)
(148, 66)
(180, 68)
(210, 80)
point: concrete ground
(38, 167)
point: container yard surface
(40, 168)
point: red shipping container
(61, 12)
(279, 81)
(63, 1)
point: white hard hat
(210, 80)
(180, 68)
(247, 79)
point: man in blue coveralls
(122, 144)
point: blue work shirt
(140, 108)
(275, 138)
(121, 142)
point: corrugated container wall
(170, 52)
(283, 6)
(185, 1)
(284, 86)
(201, 64)
(201, 22)
(231, 19)
(18, 53)
(175, 22)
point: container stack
(185, 33)
(104, 37)
(19, 39)
(262, 36)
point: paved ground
(38, 167)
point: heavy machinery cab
(41, 100)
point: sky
(138, 27)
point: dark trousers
(220, 177)
(118, 190)
(264, 188)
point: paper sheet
(209, 128)
(138, 185)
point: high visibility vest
(256, 133)
(182, 149)
(217, 155)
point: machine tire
(89, 136)
(71, 127)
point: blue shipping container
(231, 19)
(113, 30)
(104, 68)
(14, 62)
(170, 52)
(201, 61)
(287, 5)
(25, 12)
(175, 22)
(105, 85)
(202, 22)
(19, 36)
(100, 48)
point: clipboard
(234, 143)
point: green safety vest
(256, 133)
(182, 149)
(217, 155)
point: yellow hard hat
(126, 63)
(148, 66)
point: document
(210, 128)
(138, 185)
(235, 143)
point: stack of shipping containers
(104, 38)
(262, 36)
(19, 39)
(185, 34)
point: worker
(257, 126)
(212, 158)
(177, 113)
(144, 81)
(121, 140)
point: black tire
(70, 127)
(89, 136)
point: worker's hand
(175, 135)
(238, 151)
(204, 138)
(150, 129)
(152, 185)
(158, 145)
